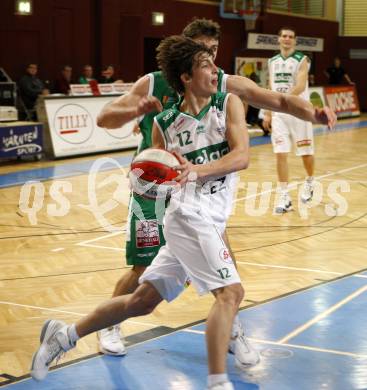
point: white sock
(309, 179)
(73, 335)
(236, 326)
(236, 320)
(283, 187)
(217, 378)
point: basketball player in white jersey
(288, 73)
(126, 108)
(208, 128)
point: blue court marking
(178, 360)
(78, 168)
(59, 171)
(267, 322)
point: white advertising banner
(103, 89)
(74, 131)
(270, 42)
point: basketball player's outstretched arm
(130, 106)
(275, 101)
(238, 141)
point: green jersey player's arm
(238, 141)
(275, 101)
(301, 78)
(130, 106)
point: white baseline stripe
(101, 237)
(87, 242)
(290, 268)
(112, 248)
(68, 312)
(322, 315)
(296, 184)
(299, 269)
(332, 351)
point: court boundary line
(67, 312)
(296, 268)
(199, 322)
(292, 186)
(306, 347)
(322, 315)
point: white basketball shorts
(286, 130)
(194, 249)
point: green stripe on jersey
(208, 153)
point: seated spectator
(337, 74)
(30, 87)
(87, 75)
(62, 83)
(107, 75)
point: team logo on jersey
(168, 115)
(147, 233)
(200, 129)
(225, 256)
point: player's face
(204, 75)
(209, 42)
(287, 39)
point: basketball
(152, 173)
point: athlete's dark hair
(200, 27)
(177, 55)
(286, 28)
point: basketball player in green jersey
(288, 73)
(138, 103)
(195, 219)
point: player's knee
(145, 299)
(231, 295)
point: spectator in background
(87, 75)
(62, 83)
(107, 75)
(336, 74)
(30, 87)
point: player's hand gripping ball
(152, 173)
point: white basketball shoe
(284, 204)
(307, 191)
(245, 355)
(54, 343)
(110, 342)
(221, 386)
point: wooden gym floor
(61, 263)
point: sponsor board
(18, 140)
(72, 123)
(343, 99)
(270, 42)
(104, 89)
